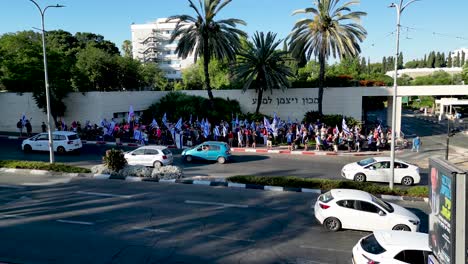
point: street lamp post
(46, 77)
(399, 8)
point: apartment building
(150, 43)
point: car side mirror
(371, 168)
(382, 213)
(133, 154)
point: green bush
(115, 160)
(178, 104)
(329, 120)
(325, 185)
(38, 165)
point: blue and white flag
(190, 121)
(252, 125)
(289, 121)
(216, 131)
(23, 119)
(275, 122)
(179, 124)
(345, 127)
(164, 120)
(246, 123)
(225, 131)
(337, 131)
(206, 129)
(267, 125)
(110, 129)
(154, 124)
(237, 119)
(137, 135)
(379, 129)
(131, 114)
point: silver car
(151, 156)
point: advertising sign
(442, 193)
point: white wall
(95, 106)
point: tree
(205, 37)
(457, 60)
(127, 48)
(97, 41)
(400, 61)
(449, 60)
(363, 65)
(438, 60)
(384, 65)
(263, 67)
(462, 61)
(327, 34)
(153, 77)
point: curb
(310, 153)
(205, 183)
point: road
(112, 221)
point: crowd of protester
(296, 135)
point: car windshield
(326, 197)
(371, 245)
(365, 162)
(388, 207)
(73, 137)
(166, 151)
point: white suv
(64, 141)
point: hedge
(38, 165)
(326, 184)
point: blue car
(209, 150)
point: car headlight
(414, 222)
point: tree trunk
(321, 82)
(259, 99)
(206, 62)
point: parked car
(151, 156)
(378, 169)
(359, 210)
(210, 150)
(392, 247)
(63, 141)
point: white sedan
(378, 169)
(152, 156)
(392, 247)
(359, 210)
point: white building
(150, 42)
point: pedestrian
(28, 128)
(19, 125)
(230, 138)
(44, 127)
(416, 144)
(289, 139)
(239, 138)
(254, 138)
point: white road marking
(75, 222)
(11, 186)
(154, 230)
(105, 194)
(232, 238)
(325, 249)
(219, 204)
(11, 216)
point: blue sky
(433, 24)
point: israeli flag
(131, 114)
(164, 120)
(206, 130)
(274, 124)
(345, 127)
(190, 121)
(289, 121)
(154, 124)
(111, 128)
(379, 129)
(225, 131)
(216, 131)
(237, 119)
(179, 124)
(137, 135)
(23, 119)
(337, 131)
(252, 125)
(267, 125)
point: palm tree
(332, 30)
(262, 66)
(205, 37)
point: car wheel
(407, 180)
(221, 160)
(61, 150)
(27, 148)
(188, 158)
(401, 227)
(360, 177)
(157, 164)
(332, 224)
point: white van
(64, 141)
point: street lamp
(399, 8)
(46, 77)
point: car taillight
(370, 261)
(164, 157)
(324, 206)
(70, 142)
(228, 152)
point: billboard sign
(442, 193)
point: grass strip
(326, 184)
(39, 165)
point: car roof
(402, 239)
(153, 147)
(65, 133)
(350, 194)
(214, 142)
(388, 159)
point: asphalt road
(112, 221)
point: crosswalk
(421, 158)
